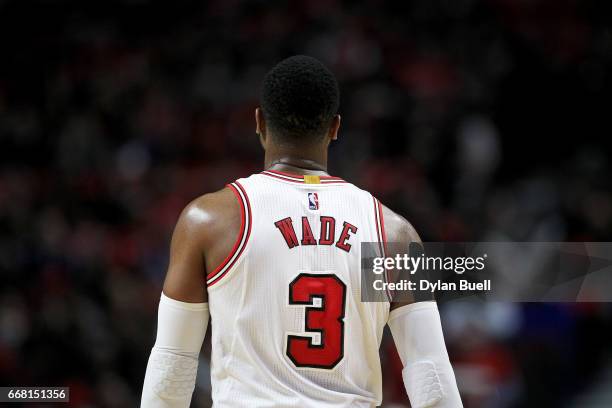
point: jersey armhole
(380, 226)
(241, 240)
(382, 241)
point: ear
(260, 126)
(333, 129)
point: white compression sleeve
(171, 371)
(428, 375)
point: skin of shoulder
(399, 230)
(204, 234)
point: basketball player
(274, 261)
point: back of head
(299, 100)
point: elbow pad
(427, 374)
(172, 368)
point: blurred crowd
(476, 120)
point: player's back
(289, 328)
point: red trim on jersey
(382, 225)
(248, 203)
(382, 238)
(238, 238)
(242, 238)
(299, 178)
(377, 222)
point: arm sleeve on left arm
(428, 375)
(171, 371)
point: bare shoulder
(400, 230)
(397, 228)
(203, 236)
(211, 211)
(217, 218)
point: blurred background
(477, 120)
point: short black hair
(299, 99)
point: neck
(300, 161)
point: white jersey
(288, 325)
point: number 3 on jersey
(327, 319)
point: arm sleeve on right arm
(171, 371)
(428, 375)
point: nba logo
(313, 201)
